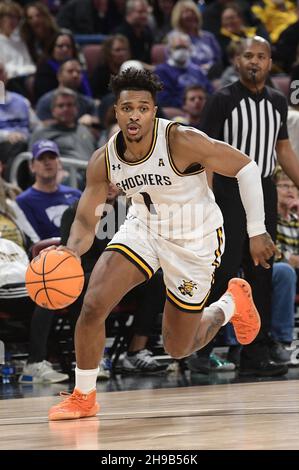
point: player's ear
(156, 109)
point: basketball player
(173, 223)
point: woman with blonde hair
(187, 18)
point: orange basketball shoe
(76, 405)
(246, 320)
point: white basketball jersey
(172, 204)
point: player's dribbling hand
(262, 248)
(61, 248)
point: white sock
(86, 379)
(227, 305)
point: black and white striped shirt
(250, 122)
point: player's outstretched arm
(224, 159)
(94, 197)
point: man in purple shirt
(45, 201)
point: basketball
(54, 279)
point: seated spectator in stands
(286, 47)
(116, 13)
(44, 202)
(230, 74)
(38, 29)
(17, 120)
(116, 51)
(285, 271)
(16, 235)
(193, 103)
(62, 48)
(69, 75)
(13, 51)
(178, 71)
(206, 51)
(162, 10)
(233, 29)
(14, 298)
(213, 10)
(74, 140)
(88, 17)
(13, 223)
(136, 28)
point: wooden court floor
(261, 415)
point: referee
(252, 117)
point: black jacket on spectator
(286, 47)
(140, 45)
(81, 17)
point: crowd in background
(56, 60)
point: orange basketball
(54, 279)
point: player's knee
(177, 351)
(93, 308)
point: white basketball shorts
(188, 265)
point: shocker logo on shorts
(187, 288)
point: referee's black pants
(237, 255)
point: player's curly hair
(133, 79)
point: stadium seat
(282, 83)
(158, 53)
(93, 54)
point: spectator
(16, 235)
(178, 71)
(233, 29)
(69, 75)
(116, 50)
(44, 202)
(135, 27)
(285, 52)
(230, 74)
(13, 223)
(14, 297)
(74, 140)
(61, 49)
(213, 10)
(282, 321)
(162, 10)
(13, 51)
(194, 101)
(38, 29)
(88, 17)
(17, 120)
(187, 19)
